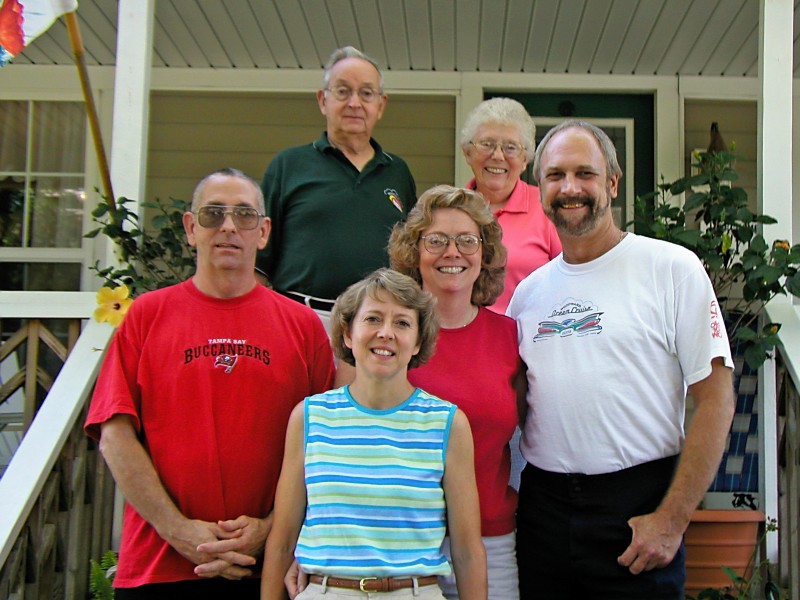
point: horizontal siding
(192, 134)
(738, 122)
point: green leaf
(695, 180)
(772, 591)
(738, 195)
(687, 237)
(766, 273)
(100, 210)
(713, 262)
(758, 244)
(755, 356)
(694, 200)
(792, 284)
(765, 219)
(745, 334)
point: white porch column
(775, 199)
(130, 120)
(131, 99)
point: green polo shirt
(330, 222)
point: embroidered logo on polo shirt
(394, 198)
(226, 361)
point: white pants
(501, 568)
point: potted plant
(716, 223)
(742, 583)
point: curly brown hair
(404, 240)
(405, 292)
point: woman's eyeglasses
(487, 147)
(244, 217)
(437, 243)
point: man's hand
(655, 541)
(239, 541)
(189, 534)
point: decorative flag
(23, 20)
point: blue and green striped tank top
(376, 505)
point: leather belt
(375, 584)
(311, 301)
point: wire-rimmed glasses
(437, 243)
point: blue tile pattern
(738, 471)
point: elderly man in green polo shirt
(333, 202)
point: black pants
(216, 587)
(571, 528)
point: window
(42, 195)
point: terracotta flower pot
(717, 538)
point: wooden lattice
(71, 519)
(32, 376)
(69, 524)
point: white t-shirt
(611, 346)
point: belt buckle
(361, 583)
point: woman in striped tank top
(375, 472)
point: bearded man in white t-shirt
(613, 332)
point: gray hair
(603, 141)
(228, 172)
(348, 52)
(501, 111)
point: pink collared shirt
(528, 235)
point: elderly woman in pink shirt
(498, 140)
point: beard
(586, 224)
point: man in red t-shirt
(192, 403)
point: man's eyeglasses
(244, 217)
(343, 93)
(437, 243)
(486, 148)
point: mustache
(589, 201)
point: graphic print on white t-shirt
(570, 317)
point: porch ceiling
(639, 37)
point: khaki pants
(316, 591)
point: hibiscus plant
(716, 223)
(149, 257)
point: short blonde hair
(404, 240)
(405, 292)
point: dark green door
(626, 118)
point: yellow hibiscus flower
(782, 244)
(113, 304)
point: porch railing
(56, 495)
(789, 476)
(788, 444)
